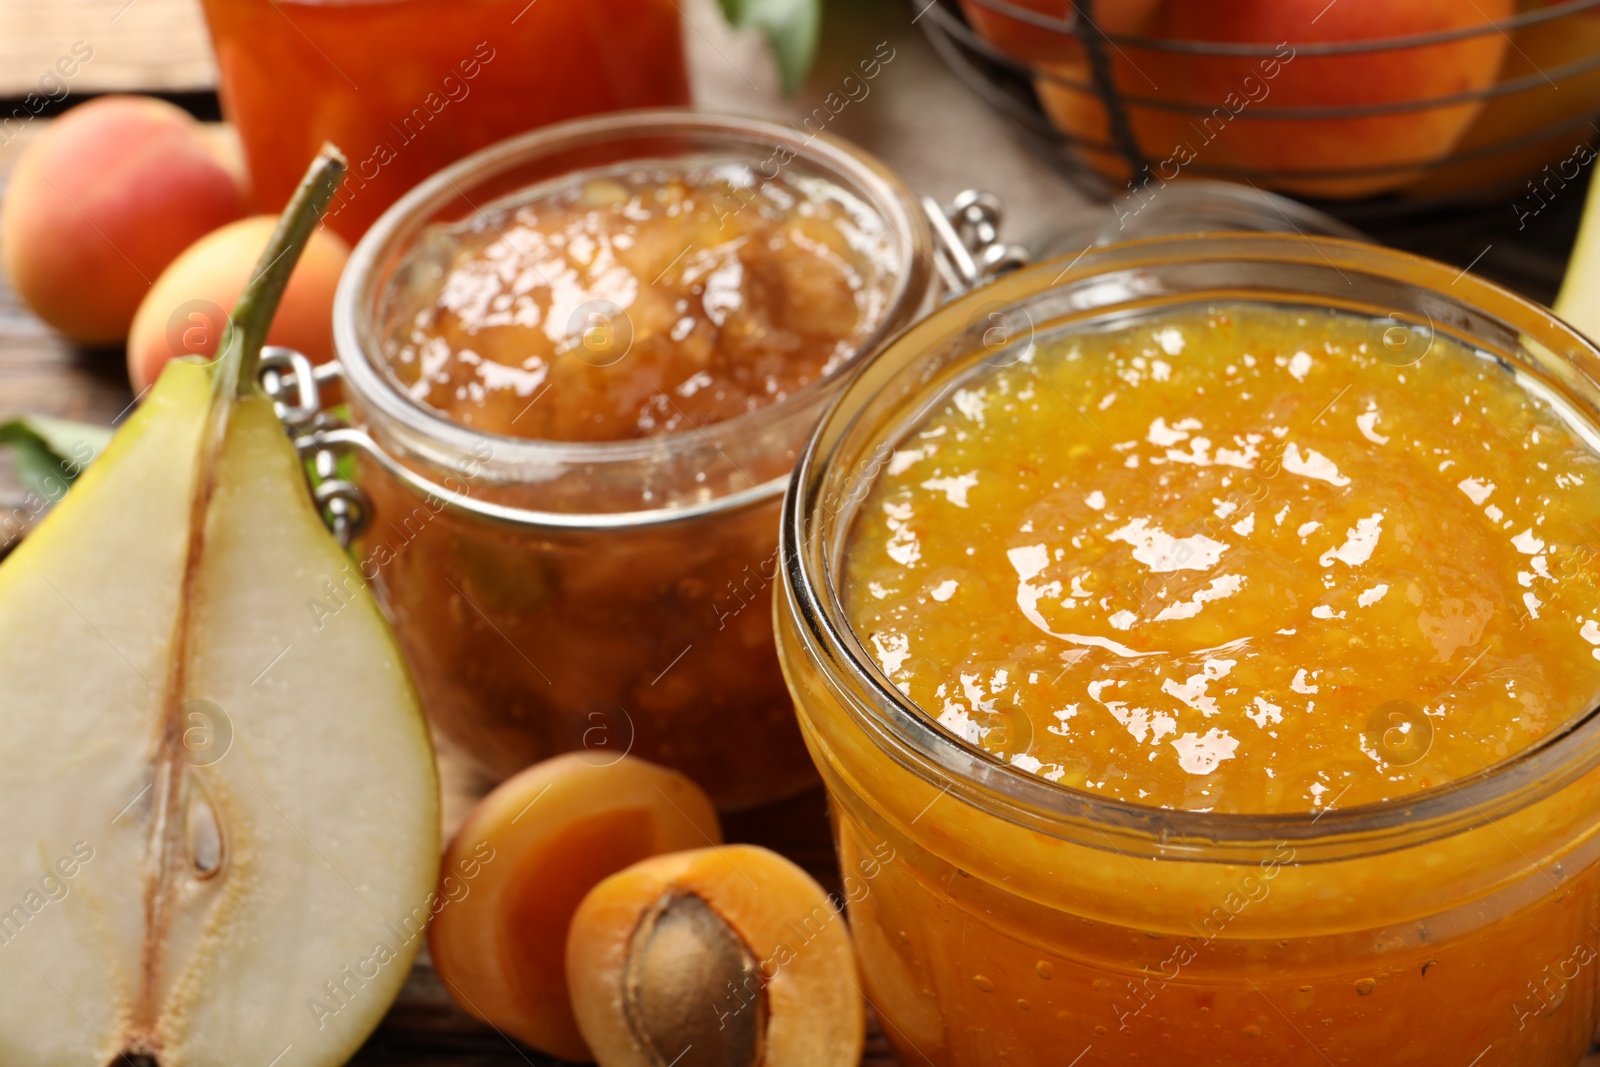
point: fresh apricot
(554, 831)
(720, 957)
(185, 311)
(102, 201)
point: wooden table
(922, 122)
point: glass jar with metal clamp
(600, 596)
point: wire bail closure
(285, 374)
(971, 252)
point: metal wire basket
(1125, 110)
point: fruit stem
(252, 315)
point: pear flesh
(220, 834)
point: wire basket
(1121, 110)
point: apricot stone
(554, 831)
(102, 201)
(186, 309)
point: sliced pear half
(1579, 299)
(220, 832)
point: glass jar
(1002, 918)
(615, 595)
(405, 87)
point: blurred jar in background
(405, 87)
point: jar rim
(811, 547)
(385, 243)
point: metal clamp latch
(295, 385)
(970, 249)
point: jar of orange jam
(1216, 653)
(405, 87)
(581, 365)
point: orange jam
(406, 87)
(648, 300)
(1234, 560)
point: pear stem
(252, 315)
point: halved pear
(1579, 299)
(220, 833)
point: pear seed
(205, 836)
(693, 991)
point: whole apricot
(102, 202)
(186, 309)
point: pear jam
(1239, 560)
(640, 301)
(660, 328)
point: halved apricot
(720, 957)
(534, 847)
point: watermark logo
(1002, 332)
(1550, 182)
(1399, 343)
(602, 737)
(599, 332)
(345, 988)
(54, 887)
(207, 733)
(195, 328)
(51, 88)
(1398, 732)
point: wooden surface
(148, 45)
(922, 122)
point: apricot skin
(185, 310)
(101, 202)
(555, 831)
(806, 968)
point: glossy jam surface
(1239, 559)
(648, 300)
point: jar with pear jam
(1220, 656)
(606, 342)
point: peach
(553, 831)
(1288, 153)
(1029, 43)
(1500, 157)
(720, 957)
(1080, 113)
(186, 309)
(102, 202)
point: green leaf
(50, 453)
(790, 26)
